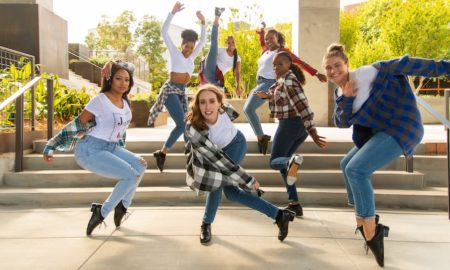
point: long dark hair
(116, 66)
(295, 68)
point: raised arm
(165, 27)
(202, 41)
(414, 66)
(305, 66)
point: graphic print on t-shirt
(121, 122)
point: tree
(150, 45)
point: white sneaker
(294, 163)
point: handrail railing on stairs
(19, 98)
(445, 121)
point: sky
(83, 15)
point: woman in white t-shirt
(99, 133)
(217, 149)
(220, 60)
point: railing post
(409, 164)
(18, 164)
(33, 100)
(50, 108)
(446, 96)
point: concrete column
(318, 26)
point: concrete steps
(63, 183)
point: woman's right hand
(350, 89)
(177, 7)
(106, 70)
(48, 158)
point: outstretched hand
(319, 140)
(177, 7)
(350, 89)
(321, 77)
(200, 16)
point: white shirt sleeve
(201, 43)
(165, 34)
(95, 106)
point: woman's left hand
(321, 77)
(200, 16)
(319, 140)
(261, 94)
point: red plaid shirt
(287, 100)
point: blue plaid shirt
(391, 106)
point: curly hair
(194, 115)
(280, 37)
(189, 35)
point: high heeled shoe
(119, 213)
(282, 222)
(263, 144)
(205, 233)
(218, 11)
(96, 218)
(376, 244)
(160, 159)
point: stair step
(175, 177)
(430, 198)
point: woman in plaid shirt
(217, 149)
(288, 103)
(378, 102)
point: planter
(263, 112)
(139, 109)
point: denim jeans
(254, 102)
(211, 59)
(290, 134)
(174, 104)
(236, 151)
(358, 166)
(110, 160)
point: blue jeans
(110, 160)
(254, 102)
(290, 134)
(358, 166)
(236, 150)
(211, 59)
(174, 104)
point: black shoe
(376, 244)
(218, 11)
(283, 223)
(119, 213)
(361, 230)
(96, 218)
(296, 208)
(205, 233)
(160, 159)
(263, 144)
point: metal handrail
(445, 121)
(18, 97)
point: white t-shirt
(179, 63)
(111, 121)
(224, 61)
(265, 68)
(223, 131)
(364, 78)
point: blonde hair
(336, 50)
(194, 115)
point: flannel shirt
(391, 106)
(208, 167)
(69, 135)
(295, 59)
(167, 89)
(288, 100)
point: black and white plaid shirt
(208, 167)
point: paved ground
(167, 238)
